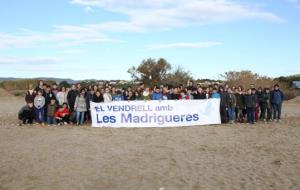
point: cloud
(174, 13)
(183, 45)
(29, 60)
(142, 16)
(59, 36)
(295, 2)
(89, 9)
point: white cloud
(29, 60)
(89, 9)
(172, 13)
(59, 36)
(143, 16)
(183, 45)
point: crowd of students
(54, 105)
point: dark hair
(276, 85)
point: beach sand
(238, 156)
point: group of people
(55, 105)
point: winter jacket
(277, 97)
(39, 102)
(26, 113)
(250, 101)
(215, 95)
(48, 96)
(232, 100)
(107, 97)
(266, 99)
(240, 101)
(60, 113)
(224, 99)
(61, 98)
(51, 110)
(98, 99)
(30, 95)
(71, 97)
(199, 96)
(117, 97)
(80, 104)
(174, 96)
(260, 96)
(157, 96)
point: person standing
(224, 104)
(39, 104)
(260, 96)
(107, 97)
(250, 103)
(232, 105)
(266, 105)
(240, 104)
(62, 96)
(71, 97)
(51, 109)
(277, 98)
(80, 107)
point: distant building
(296, 84)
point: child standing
(39, 103)
(51, 109)
(80, 107)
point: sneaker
(278, 120)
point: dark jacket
(260, 96)
(266, 99)
(29, 97)
(26, 113)
(224, 99)
(48, 96)
(277, 97)
(240, 101)
(250, 101)
(98, 99)
(232, 100)
(174, 96)
(51, 109)
(71, 97)
(199, 96)
(88, 98)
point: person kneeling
(26, 114)
(62, 115)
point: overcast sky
(101, 39)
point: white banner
(167, 113)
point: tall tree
(151, 71)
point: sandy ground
(239, 156)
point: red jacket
(60, 113)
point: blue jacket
(117, 97)
(157, 96)
(277, 97)
(215, 95)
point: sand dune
(240, 156)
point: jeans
(277, 111)
(80, 117)
(250, 115)
(51, 120)
(231, 113)
(39, 114)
